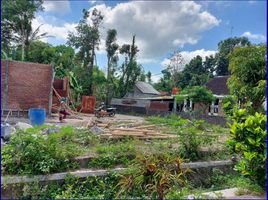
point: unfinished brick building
(26, 85)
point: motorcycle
(102, 112)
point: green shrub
(229, 103)
(32, 152)
(112, 155)
(74, 188)
(152, 175)
(171, 120)
(191, 140)
(248, 139)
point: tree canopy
(225, 47)
(248, 74)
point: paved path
(231, 194)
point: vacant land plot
(120, 142)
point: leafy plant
(74, 187)
(32, 152)
(248, 139)
(197, 94)
(229, 103)
(248, 75)
(171, 120)
(112, 155)
(154, 174)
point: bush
(152, 175)
(74, 188)
(32, 152)
(248, 139)
(229, 104)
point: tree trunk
(26, 50)
(22, 51)
(108, 82)
(90, 70)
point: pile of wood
(139, 131)
(99, 123)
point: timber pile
(140, 131)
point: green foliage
(229, 104)
(248, 75)
(170, 120)
(130, 70)
(194, 74)
(226, 47)
(32, 152)
(86, 40)
(16, 20)
(191, 140)
(153, 174)
(112, 155)
(165, 84)
(75, 188)
(112, 58)
(248, 139)
(197, 94)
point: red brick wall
(29, 84)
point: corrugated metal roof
(146, 88)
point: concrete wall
(218, 120)
(198, 106)
(26, 85)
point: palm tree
(27, 36)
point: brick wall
(29, 85)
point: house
(25, 85)
(144, 99)
(142, 89)
(218, 86)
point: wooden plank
(132, 129)
(145, 126)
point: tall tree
(175, 66)
(225, 47)
(165, 83)
(16, 20)
(86, 40)
(149, 77)
(142, 76)
(130, 70)
(194, 73)
(248, 75)
(112, 59)
(209, 64)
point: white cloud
(58, 7)
(257, 37)
(59, 32)
(156, 77)
(188, 55)
(92, 2)
(159, 26)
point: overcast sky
(193, 27)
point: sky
(161, 27)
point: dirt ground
(77, 120)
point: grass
(193, 139)
(196, 141)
